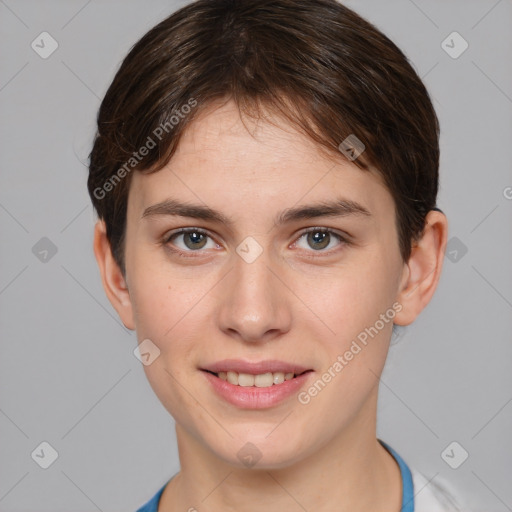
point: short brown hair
(317, 63)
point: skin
(300, 301)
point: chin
(259, 452)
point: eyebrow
(337, 208)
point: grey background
(68, 375)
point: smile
(262, 380)
(256, 391)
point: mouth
(259, 380)
(256, 384)
(263, 385)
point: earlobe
(423, 270)
(114, 283)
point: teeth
(263, 380)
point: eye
(320, 238)
(193, 239)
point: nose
(255, 303)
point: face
(259, 273)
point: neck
(351, 472)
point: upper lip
(254, 368)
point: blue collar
(407, 486)
(152, 504)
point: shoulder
(434, 495)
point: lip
(252, 397)
(254, 368)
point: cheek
(153, 317)
(353, 314)
(360, 314)
(170, 310)
(350, 299)
(160, 301)
(165, 315)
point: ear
(113, 281)
(423, 270)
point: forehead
(233, 163)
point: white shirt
(434, 496)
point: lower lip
(252, 397)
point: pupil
(319, 237)
(195, 239)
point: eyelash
(186, 254)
